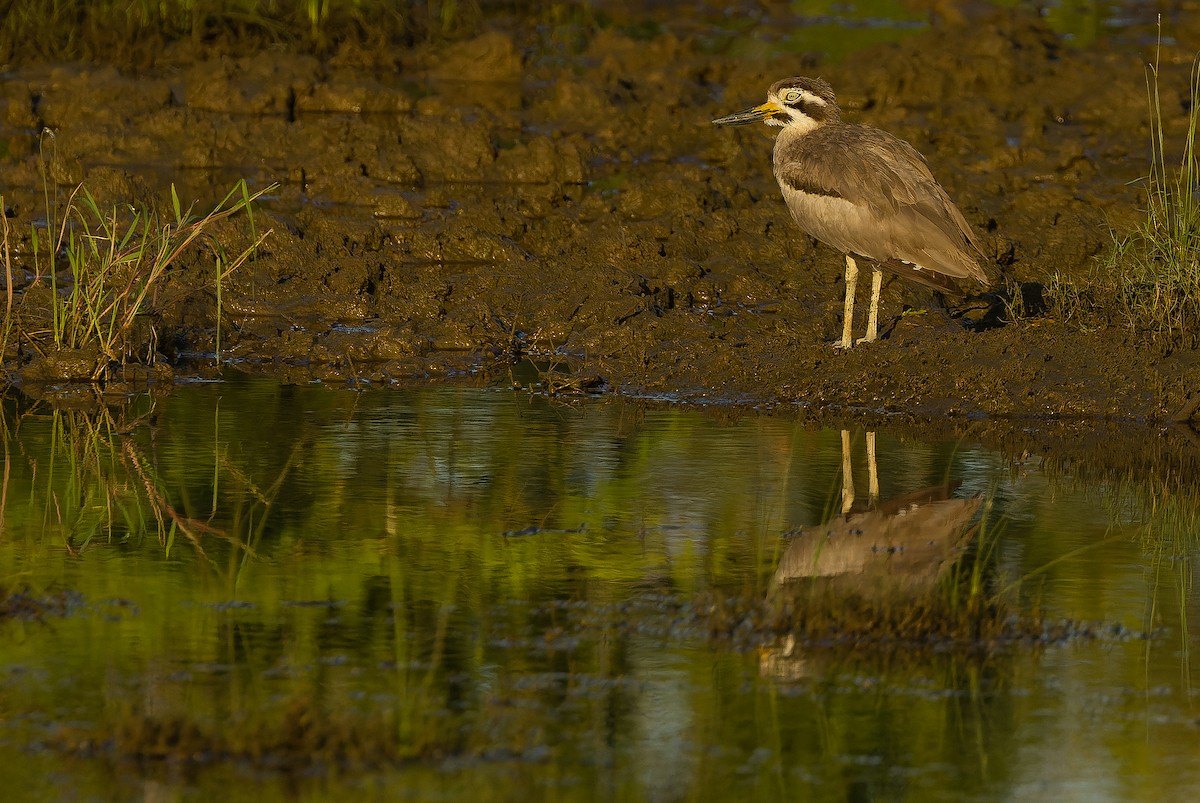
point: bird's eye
(791, 96)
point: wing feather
(898, 210)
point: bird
(865, 192)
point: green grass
(6, 256)
(105, 268)
(1150, 278)
(1158, 264)
(135, 31)
(93, 281)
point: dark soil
(557, 191)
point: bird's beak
(753, 115)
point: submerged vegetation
(23, 604)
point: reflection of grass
(1170, 534)
(967, 591)
(309, 727)
(96, 487)
(92, 482)
(77, 498)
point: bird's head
(803, 102)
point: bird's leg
(873, 310)
(872, 470)
(848, 318)
(847, 474)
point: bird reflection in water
(875, 555)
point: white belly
(839, 223)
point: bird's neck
(794, 131)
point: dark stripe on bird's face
(816, 111)
(808, 187)
(806, 99)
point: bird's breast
(835, 221)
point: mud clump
(557, 190)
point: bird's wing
(891, 179)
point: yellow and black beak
(757, 114)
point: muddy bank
(557, 190)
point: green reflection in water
(297, 592)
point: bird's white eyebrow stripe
(805, 96)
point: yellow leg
(873, 311)
(872, 470)
(848, 318)
(847, 474)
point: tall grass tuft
(106, 267)
(134, 31)
(1157, 266)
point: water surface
(272, 592)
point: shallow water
(294, 592)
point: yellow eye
(791, 96)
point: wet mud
(557, 192)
